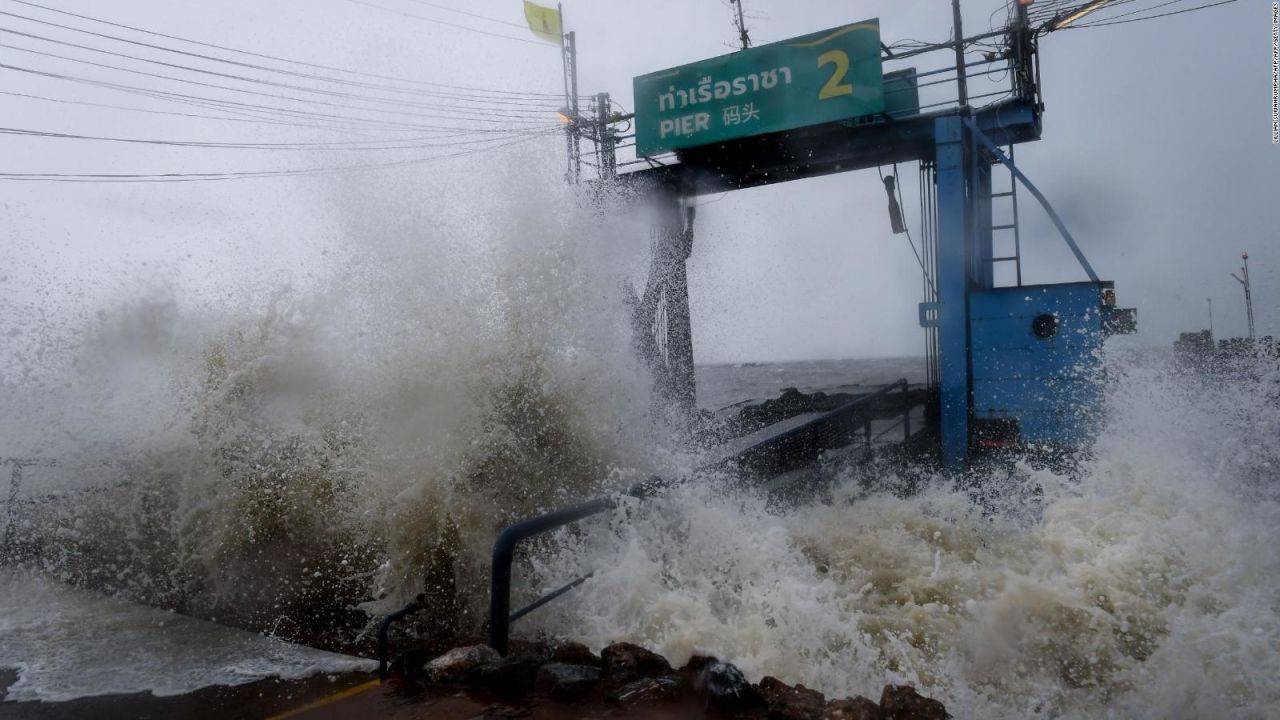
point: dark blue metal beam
(1044, 202)
(954, 221)
(826, 149)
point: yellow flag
(543, 21)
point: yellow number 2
(835, 88)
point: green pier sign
(822, 77)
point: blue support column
(980, 244)
(954, 235)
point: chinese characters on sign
(738, 114)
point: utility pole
(1021, 38)
(605, 140)
(1210, 301)
(573, 107)
(1248, 291)
(742, 26)
(962, 83)
(569, 68)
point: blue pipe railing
(384, 653)
(500, 615)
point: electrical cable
(301, 63)
(1150, 17)
(880, 170)
(451, 24)
(469, 14)
(254, 92)
(227, 118)
(216, 103)
(1135, 12)
(198, 177)
(340, 145)
(257, 81)
(486, 100)
(902, 203)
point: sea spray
(278, 456)
(1142, 585)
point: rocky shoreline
(628, 681)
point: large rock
(510, 676)
(724, 687)
(454, 665)
(575, 653)
(854, 708)
(646, 691)
(563, 681)
(791, 703)
(626, 659)
(502, 712)
(902, 702)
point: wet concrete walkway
(256, 700)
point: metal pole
(1021, 36)
(573, 85)
(962, 84)
(951, 166)
(1017, 229)
(568, 104)
(742, 27)
(606, 145)
(1248, 292)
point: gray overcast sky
(1156, 152)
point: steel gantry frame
(960, 144)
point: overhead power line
(469, 14)
(1051, 15)
(487, 100)
(1116, 3)
(232, 105)
(1105, 22)
(301, 63)
(487, 113)
(198, 116)
(188, 81)
(205, 177)
(406, 144)
(451, 24)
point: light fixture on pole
(1248, 291)
(1066, 20)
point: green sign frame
(826, 76)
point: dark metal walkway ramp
(892, 414)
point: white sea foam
(367, 430)
(276, 446)
(1146, 586)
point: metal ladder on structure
(1016, 257)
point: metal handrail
(808, 432)
(500, 615)
(383, 629)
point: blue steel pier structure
(1009, 364)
